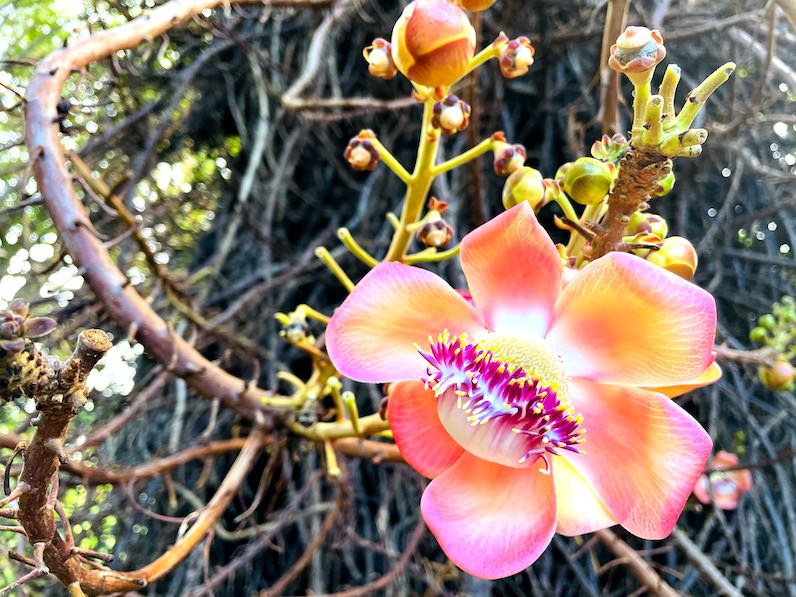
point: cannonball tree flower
(529, 406)
(723, 489)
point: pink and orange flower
(530, 407)
(723, 489)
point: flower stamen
(513, 383)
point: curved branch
(111, 286)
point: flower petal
(579, 510)
(643, 454)
(623, 320)
(513, 271)
(711, 375)
(421, 438)
(371, 336)
(492, 521)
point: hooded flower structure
(529, 406)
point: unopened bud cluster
(777, 331)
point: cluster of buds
(516, 56)
(361, 153)
(723, 489)
(525, 184)
(433, 43)
(586, 180)
(609, 149)
(434, 231)
(16, 326)
(379, 58)
(23, 369)
(636, 53)
(777, 331)
(451, 115)
(508, 158)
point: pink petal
(643, 456)
(623, 320)
(371, 336)
(711, 375)
(513, 271)
(421, 438)
(579, 510)
(492, 521)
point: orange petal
(513, 272)
(371, 336)
(622, 320)
(491, 520)
(579, 509)
(643, 454)
(711, 375)
(415, 424)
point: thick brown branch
(639, 170)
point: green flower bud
(665, 185)
(647, 223)
(524, 184)
(588, 180)
(758, 335)
(768, 321)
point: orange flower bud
(507, 157)
(379, 57)
(474, 5)
(779, 377)
(524, 184)
(588, 180)
(637, 50)
(433, 42)
(647, 223)
(451, 115)
(360, 151)
(676, 255)
(516, 57)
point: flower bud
(768, 321)
(676, 255)
(435, 231)
(759, 335)
(647, 223)
(637, 50)
(588, 180)
(451, 115)
(433, 42)
(609, 149)
(779, 377)
(379, 57)
(360, 151)
(524, 184)
(665, 185)
(508, 158)
(474, 5)
(516, 57)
